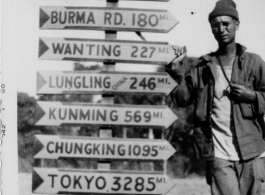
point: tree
(25, 112)
(179, 134)
(25, 124)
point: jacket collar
(240, 50)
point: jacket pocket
(249, 146)
(208, 150)
(203, 147)
(247, 110)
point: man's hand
(180, 53)
(240, 92)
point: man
(227, 88)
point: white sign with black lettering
(101, 50)
(57, 113)
(106, 18)
(55, 181)
(84, 82)
(55, 147)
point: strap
(222, 67)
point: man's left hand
(241, 92)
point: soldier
(227, 88)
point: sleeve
(260, 87)
(182, 95)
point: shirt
(223, 130)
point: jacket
(197, 87)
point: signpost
(84, 82)
(109, 51)
(106, 18)
(55, 181)
(55, 147)
(57, 113)
(105, 50)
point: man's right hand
(180, 53)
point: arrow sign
(106, 18)
(54, 181)
(57, 113)
(55, 147)
(105, 50)
(58, 82)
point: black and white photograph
(132, 97)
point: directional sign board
(105, 50)
(57, 113)
(54, 181)
(108, 18)
(77, 82)
(55, 147)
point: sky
(193, 31)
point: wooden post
(151, 136)
(38, 163)
(163, 131)
(108, 99)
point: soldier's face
(224, 29)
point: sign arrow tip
(171, 117)
(169, 186)
(40, 81)
(36, 180)
(171, 55)
(173, 22)
(43, 17)
(172, 83)
(39, 113)
(171, 151)
(37, 146)
(42, 47)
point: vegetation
(179, 134)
